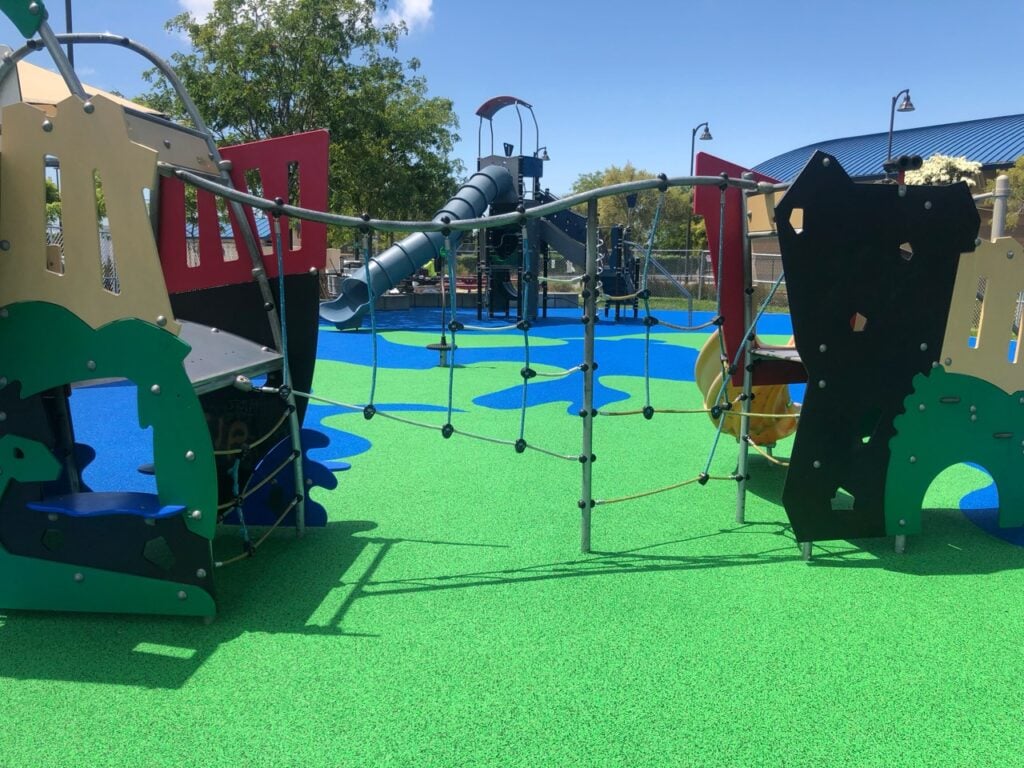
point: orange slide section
(771, 399)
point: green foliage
(671, 230)
(260, 69)
(944, 169)
(52, 202)
(53, 206)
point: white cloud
(415, 13)
(198, 8)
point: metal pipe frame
(500, 220)
(743, 457)
(586, 503)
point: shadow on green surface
(949, 543)
(309, 588)
(299, 590)
(278, 590)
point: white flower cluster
(943, 169)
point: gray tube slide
(492, 184)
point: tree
(53, 203)
(671, 230)
(944, 169)
(260, 69)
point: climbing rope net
(592, 293)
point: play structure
(123, 298)
(897, 379)
(217, 334)
(511, 259)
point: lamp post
(67, 22)
(905, 106)
(706, 136)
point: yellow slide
(768, 399)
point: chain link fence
(108, 265)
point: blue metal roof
(995, 142)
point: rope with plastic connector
(268, 479)
(644, 412)
(524, 325)
(256, 545)
(747, 338)
(701, 327)
(702, 478)
(453, 325)
(491, 328)
(558, 374)
(236, 503)
(367, 255)
(281, 312)
(258, 441)
(562, 280)
(442, 429)
(723, 353)
(645, 297)
(777, 462)
(719, 277)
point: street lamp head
(706, 136)
(906, 105)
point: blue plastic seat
(101, 503)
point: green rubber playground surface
(446, 617)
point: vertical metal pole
(700, 275)
(69, 27)
(748, 374)
(294, 427)
(689, 208)
(481, 235)
(545, 256)
(589, 319)
(999, 204)
(892, 120)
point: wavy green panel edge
(44, 345)
(950, 419)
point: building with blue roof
(995, 142)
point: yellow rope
(246, 555)
(673, 487)
(763, 415)
(628, 297)
(703, 410)
(675, 327)
(765, 453)
(273, 429)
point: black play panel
(869, 280)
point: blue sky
(612, 82)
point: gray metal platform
(776, 353)
(217, 357)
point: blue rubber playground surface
(444, 615)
